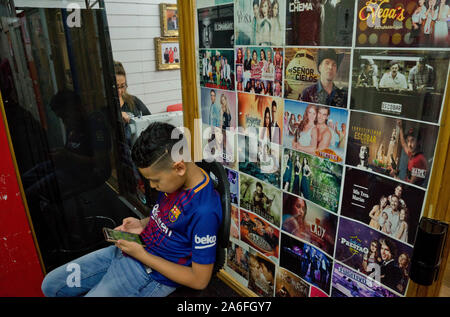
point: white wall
(133, 24)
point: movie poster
(309, 222)
(220, 145)
(259, 234)
(408, 84)
(260, 22)
(217, 69)
(234, 223)
(306, 261)
(348, 283)
(260, 159)
(261, 274)
(316, 130)
(374, 254)
(318, 76)
(393, 147)
(319, 23)
(218, 108)
(233, 179)
(402, 23)
(238, 259)
(216, 27)
(290, 285)
(383, 204)
(315, 179)
(261, 116)
(259, 70)
(261, 198)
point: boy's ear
(179, 167)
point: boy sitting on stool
(179, 236)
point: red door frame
(21, 266)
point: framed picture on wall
(167, 52)
(169, 19)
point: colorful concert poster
(312, 178)
(409, 84)
(319, 23)
(309, 222)
(216, 27)
(290, 285)
(374, 254)
(306, 261)
(402, 23)
(260, 22)
(316, 130)
(238, 259)
(233, 179)
(217, 69)
(348, 283)
(234, 223)
(383, 204)
(396, 148)
(261, 198)
(318, 76)
(259, 234)
(260, 159)
(261, 274)
(261, 116)
(259, 70)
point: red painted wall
(20, 270)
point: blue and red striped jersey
(183, 227)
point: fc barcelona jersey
(183, 227)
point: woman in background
(130, 106)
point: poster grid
(356, 137)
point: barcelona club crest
(174, 213)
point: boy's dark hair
(154, 145)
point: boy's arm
(196, 276)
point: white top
(305, 137)
(398, 82)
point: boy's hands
(131, 248)
(132, 225)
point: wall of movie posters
(326, 115)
